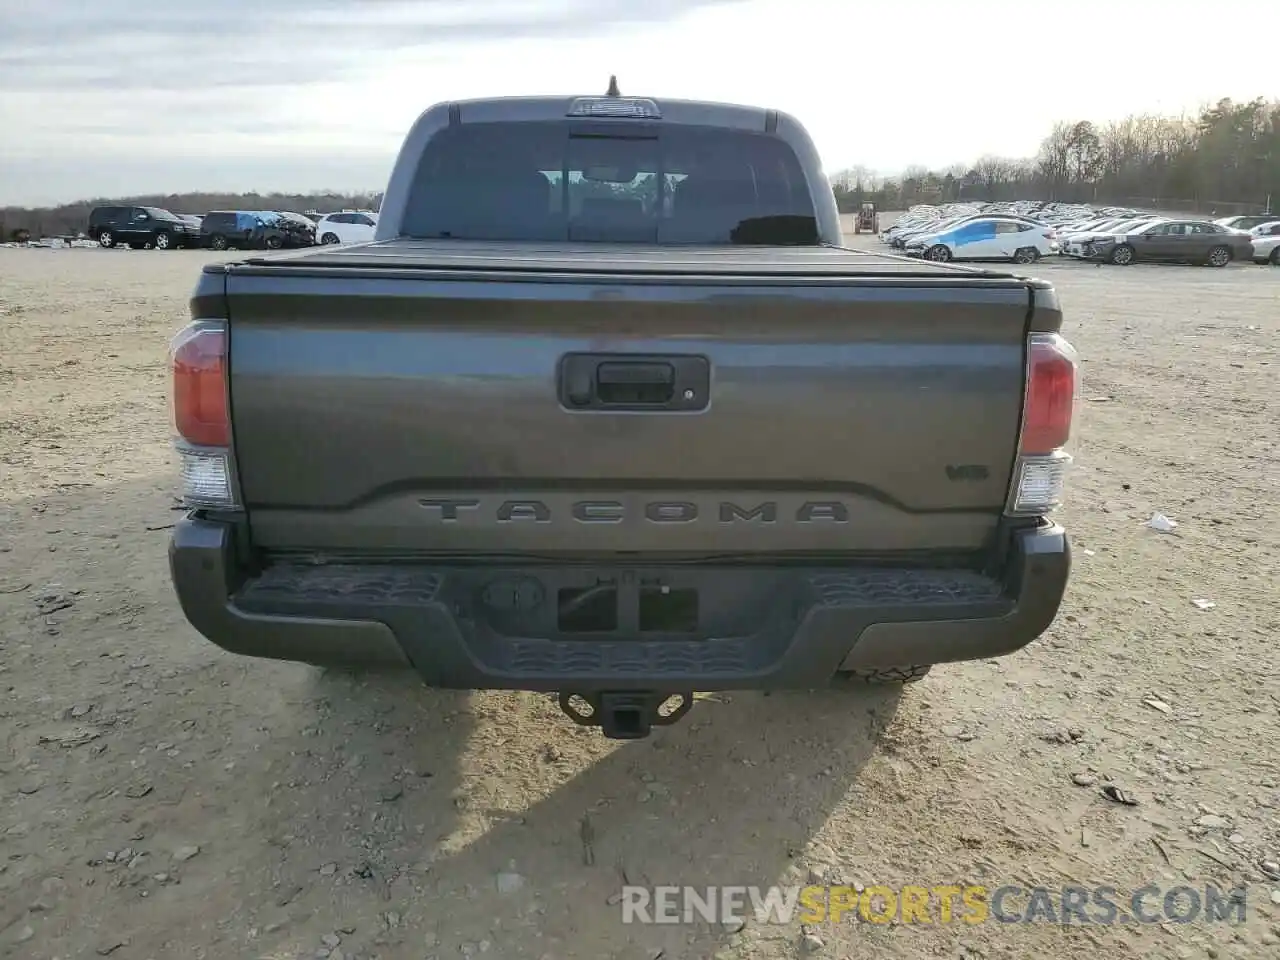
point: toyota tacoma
(606, 410)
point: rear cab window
(574, 180)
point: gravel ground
(161, 799)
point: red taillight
(200, 410)
(1051, 391)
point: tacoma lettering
(766, 513)
(524, 510)
(449, 508)
(614, 511)
(831, 510)
(671, 512)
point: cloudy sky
(110, 97)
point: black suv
(246, 229)
(141, 227)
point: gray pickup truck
(606, 410)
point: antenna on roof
(613, 87)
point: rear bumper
(806, 624)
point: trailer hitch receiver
(626, 714)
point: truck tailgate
(405, 398)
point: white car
(1267, 249)
(1068, 230)
(1246, 221)
(1269, 229)
(350, 226)
(1088, 229)
(987, 238)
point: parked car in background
(295, 229)
(1246, 221)
(1176, 241)
(906, 238)
(1076, 244)
(224, 229)
(256, 229)
(899, 236)
(987, 238)
(1067, 231)
(1266, 249)
(1269, 229)
(350, 226)
(1071, 231)
(141, 227)
(1082, 226)
(1063, 217)
(929, 221)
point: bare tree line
(1225, 159)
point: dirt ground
(160, 799)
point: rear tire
(1219, 257)
(106, 239)
(938, 253)
(1275, 257)
(1122, 255)
(883, 677)
(274, 243)
(163, 240)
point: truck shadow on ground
(325, 800)
(733, 795)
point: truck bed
(403, 399)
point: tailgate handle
(633, 382)
(647, 382)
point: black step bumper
(805, 623)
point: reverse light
(201, 413)
(206, 478)
(1041, 469)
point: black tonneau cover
(595, 258)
